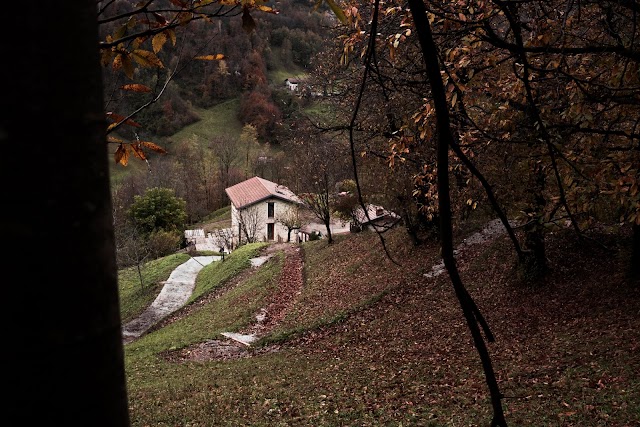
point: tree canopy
(158, 210)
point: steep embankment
(369, 341)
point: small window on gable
(270, 210)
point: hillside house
(256, 206)
(376, 218)
(291, 84)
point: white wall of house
(259, 213)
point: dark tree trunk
(410, 225)
(65, 361)
(445, 140)
(635, 253)
(327, 225)
(533, 265)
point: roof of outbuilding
(375, 212)
(256, 189)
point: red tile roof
(256, 189)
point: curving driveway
(175, 293)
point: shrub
(162, 243)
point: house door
(270, 231)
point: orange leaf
(117, 62)
(113, 139)
(215, 57)
(114, 116)
(105, 56)
(152, 146)
(160, 19)
(137, 151)
(127, 65)
(184, 17)
(122, 155)
(136, 87)
(118, 118)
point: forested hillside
(220, 121)
(281, 45)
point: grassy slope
(219, 120)
(374, 343)
(221, 218)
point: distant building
(258, 205)
(376, 218)
(291, 84)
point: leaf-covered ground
(366, 341)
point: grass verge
(138, 288)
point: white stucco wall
(261, 209)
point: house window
(270, 210)
(270, 231)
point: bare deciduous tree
(290, 219)
(248, 219)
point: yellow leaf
(172, 36)
(120, 32)
(337, 11)
(146, 58)
(158, 41)
(267, 9)
(216, 57)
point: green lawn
(219, 120)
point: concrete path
(175, 293)
(491, 230)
